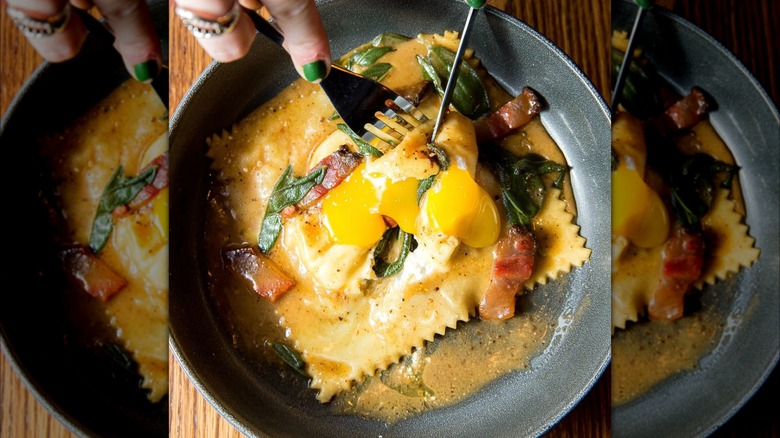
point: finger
(229, 46)
(304, 36)
(62, 45)
(136, 38)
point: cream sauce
(445, 370)
(128, 128)
(648, 352)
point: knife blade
(474, 6)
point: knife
(644, 5)
(474, 6)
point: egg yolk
(160, 212)
(351, 211)
(638, 213)
(457, 206)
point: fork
(371, 110)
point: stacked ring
(205, 28)
(35, 28)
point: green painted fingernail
(314, 71)
(146, 70)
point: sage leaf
(470, 96)
(269, 231)
(363, 146)
(522, 188)
(429, 73)
(291, 358)
(366, 57)
(383, 268)
(389, 39)
(287, 191)
(377, 72)
(440, 155)
(423, 186)
(118, 192)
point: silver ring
(35, 28)
(205, 28)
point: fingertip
(315, 71)
(146, 71)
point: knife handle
(476, 4)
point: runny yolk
(638, 213)
(459, 207)
(351, 211)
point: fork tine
(394, 122)
(374, 132)
(403, 106)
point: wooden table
(750, 31)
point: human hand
(233, 32)
(57, 32)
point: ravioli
(128, 128)
(347, 322)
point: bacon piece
(511, 116)
(266, 278)
(91, 273)
(160, 182)
(143, 197)
(683, 257)
(684, 113)
(339, 164)
(414, 93)
(512, 266)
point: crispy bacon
(414, 93)
(266, 278)
(160, 182)
(91, 273)
(683, 257)
(510, 117)
(512, 266)
(150, 190)
(339, 164)
(684, 113)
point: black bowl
(695, 403)
(519, 404)
(75, 389)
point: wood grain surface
(581, 29)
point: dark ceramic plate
(519, 404)
(73, 387)
(695, 403)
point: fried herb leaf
(470, 96)
(118, 192)
(440, 155)
(693, 187)
(377, 72)
(423, 186)
(522, 188)
(363, 146)
(429, 73)
(389, 39)
(291, 358)
(383, 268)
(366, 57)
(287, 191)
